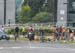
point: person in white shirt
(2, 29)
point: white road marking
(15, 47)
(1, 47)
(36, 47)
(70, 49)
(31, 47)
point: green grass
(20, 39)
(67, 42)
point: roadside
(37, 39)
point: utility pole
(4, 12)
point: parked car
(3, 35)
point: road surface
(35, 47)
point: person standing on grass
(2, 29)
(71, 35)
(67, 34)
(63, 33)
(55, 33)
(16, 32)
(42, 33)
(23, 31)
(31, 33)
(58, 31)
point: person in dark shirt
(59, 32)
(31, 33)
(16, 32)
(42, 33)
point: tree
(52, 8)
(25, 13)
(42, 17)
(35, 6)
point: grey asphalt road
(35, 47)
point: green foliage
(25, 13)
(36, 11)
(10, 31)
(47, 31)
(25, 9)
(35, 6)
(42, 17)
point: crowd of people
(63, 33)
(30, 33)
(60, 33)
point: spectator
(23, 31)
(2, 29)
(42, 34)
(59, 32)
(71, 35)
(67, 35)
(16, 33)
(63, 33)
(55, 33)
(31, 29)
(31, 33)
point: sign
(62, 12)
